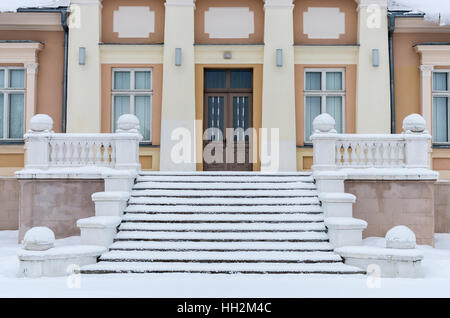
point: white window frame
(323, 93)
(441, 94)
(132, 93)
(6, 91)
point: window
(12, 102)
(132, 94)
(324, 93)
(441, 98)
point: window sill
(12, 142)
(148, 144)
(441, 146)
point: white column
(178, 100)
(426, 94)
(373, 111)
(30, 109)
(278, 100)
(83, 95)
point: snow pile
(38, 238)
(400, 237)
(13, 5)
(437, 11)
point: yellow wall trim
(135, 54)
(241, 54)
(327, 54)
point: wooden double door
(228, 115)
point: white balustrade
(333, 151)
(46, 149)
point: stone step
(222, 227)
(221, 246)
(220, 268)
(198, 178)
(210, 209)
(222, 218)
(224, 185)
(224, 173)
(227, 236)
(221, 201)
(224, 193)
(222, 257)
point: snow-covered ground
(436, 282)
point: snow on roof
(13, 5)
(437, 11)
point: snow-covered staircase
(219, 222)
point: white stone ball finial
(400, 237)
(128, 123)
(324, 123)
(414, 123)
(39, 238)
(41, 123)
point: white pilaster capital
(367, 3)
(180, 3)
(278, 4)
(426, 70)
(32, 68)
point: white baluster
(353, 155)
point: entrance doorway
(228, 114)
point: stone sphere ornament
(128, 122)
(324, 123)
(400, 237)
(414, 123)
(39, 238)
(41, 123)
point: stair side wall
(56, 203)
(385, 204)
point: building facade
(184, 67)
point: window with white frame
(132, 94)
(441, 99)
(324, 93)
(12, 103)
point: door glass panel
(121, 80)
(334, 108)
(1, 114)
(241, 79)
(313, 109)
(313, 81)
(440, 81)
(16, 115)
(142, 111)
(215, 117)
(2, 78)
(215, 79)
(440, 119)
(17, 78)
(142, 80)
(240, 117)
(334, 81)
(121, 106)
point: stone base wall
(56, 203)
(384, 204)
(442, 206)
(9, 203)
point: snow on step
(220, 178)
(226, 268)
(229, 256)
(224, 201)
(180, 208)
(224, 185)
(224, 193)
(222, 246)
(222, 227)
(229, 236)
(212, 217)
(222, 173)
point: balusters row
(81, 153)
(370, 153)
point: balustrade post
(417, 142)
(37, 142)
(127, 143)
(324, 143)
